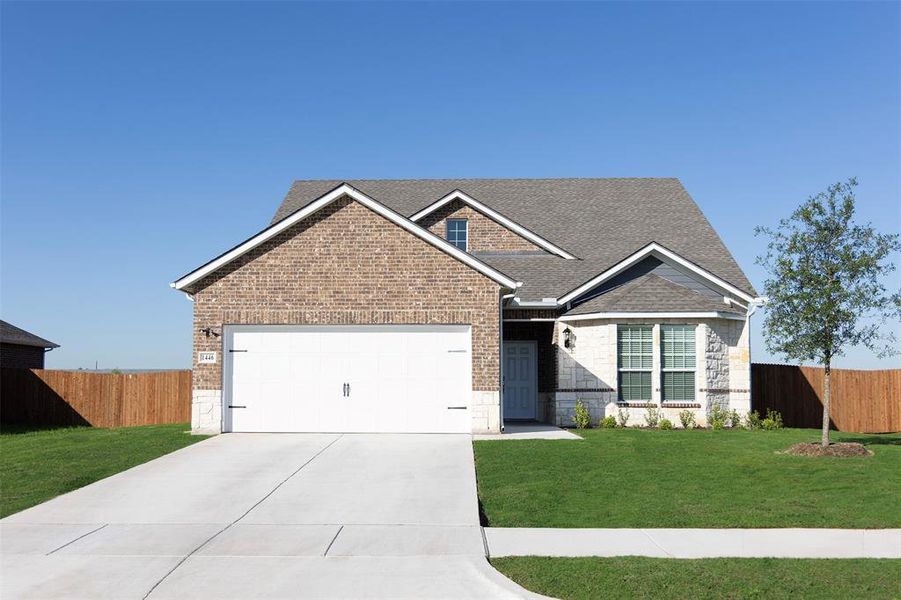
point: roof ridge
(419, 179)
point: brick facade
(347, 265)
(485, 235)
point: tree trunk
(825, 440)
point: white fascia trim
(494, 216)
(375, 206)
(661, 252)
(528, 320)
(654, 315)
(545, 303)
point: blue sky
(141, 139)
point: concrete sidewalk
(696, 543)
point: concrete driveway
(265, 516)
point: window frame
(690, 334)
(648, 371)
(447, 233)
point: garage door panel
(400, 378)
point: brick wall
(485, 235)
(16, 356)
(347, 265)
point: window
(457, 233)
(635, 352)
(677, 350)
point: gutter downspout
(500, 370)
(752, 308)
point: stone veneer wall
(346, 265)
(484, 234)
(588, 371)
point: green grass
(732, 578)
(646, 478)
(39, 464)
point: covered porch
(529, 371)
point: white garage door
(393, 378)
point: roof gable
(664, 254)
(597, 220)
(651, 293)
(495, 216)
(326, 199)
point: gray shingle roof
(10, 334)
(651, 293)
(601, 221)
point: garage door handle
(457, 408)
(235, 406)
(237, 350)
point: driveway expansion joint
(329, 547)
(257, 503)
(70, 542)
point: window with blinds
(677, 353)
(635, 358)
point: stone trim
(724, 390)
(588, 390)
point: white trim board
(323, 201)
(494, 216)
(662, 253)
(654, 315)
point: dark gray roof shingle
(10, 334)
(651, 293)
(601, 221)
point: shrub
(652, 416)
(666, 424)
(734, 419)
(582, 418)
(622, 417)
(718, 416)
(773, 420)
(687, 418)
(608, 422)
(752, 420)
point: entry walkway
(695, 543)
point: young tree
(825, 291)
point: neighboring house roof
(652, 293)
(186, 281)
(600, 221)
(10, 334)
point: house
(457, 305)
(20, 349)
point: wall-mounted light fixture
(569, 338)
(208, 331)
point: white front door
(393, 378)
(520, 380)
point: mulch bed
(836, 449)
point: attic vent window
(458, 233)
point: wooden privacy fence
(861, 401)
(49, 397)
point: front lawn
(38, 465)
(701, 478)
(732, 578)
